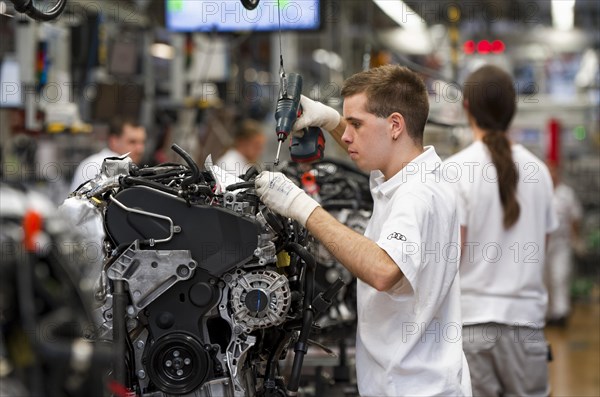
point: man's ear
(397, 124)
(113, 142)
(466, 104)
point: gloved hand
(284, 197)
(316, 114)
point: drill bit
(278, 150)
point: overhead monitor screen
(231, 16)
(10, 83)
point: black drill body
(310, 146)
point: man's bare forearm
(360, 255)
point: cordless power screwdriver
(311, 145)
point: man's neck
(406, 155)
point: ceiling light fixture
(402, 14)
(162, 51)
(563, 14)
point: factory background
(188, 69)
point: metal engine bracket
(149, 273)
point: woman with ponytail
(505, 210)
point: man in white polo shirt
(125, 136)
(409, 321)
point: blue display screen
(231, 16)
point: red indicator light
(484, 47)
(469, 47)
(498, 46)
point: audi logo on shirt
(397, 236)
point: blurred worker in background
(408, 297)
(125, 136)
(248, 146)
(505, 211)
(559, 264)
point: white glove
(316, 114)
(284, 197)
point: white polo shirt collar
(425, 163)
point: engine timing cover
(218, 238)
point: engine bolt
(168, 363)
(132, 323)
(179, 372)
(140, 344)
(176, 353)
(141, 374)
(183, 271)
(187, 361)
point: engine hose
(131, 181)
(119, 331)
(292, 269)
(168, 164)
(301, 346)
(196, 175)
(309, 281)
(161, 169)
(240, 185)
(251, 173)
(282, 341)
(168, 174)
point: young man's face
(132, 140)
(253, 147)
(367, 136)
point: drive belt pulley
(178, 363)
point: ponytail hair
(508, 176)
(491, 101)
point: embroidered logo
(397, 236)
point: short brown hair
(248, 128)
(393, 88)
(118, 123)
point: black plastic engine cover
(218, 238)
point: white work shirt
(90, 167)
(502, 270)
(233, 162)
(409, 339)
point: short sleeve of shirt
(401, 235)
